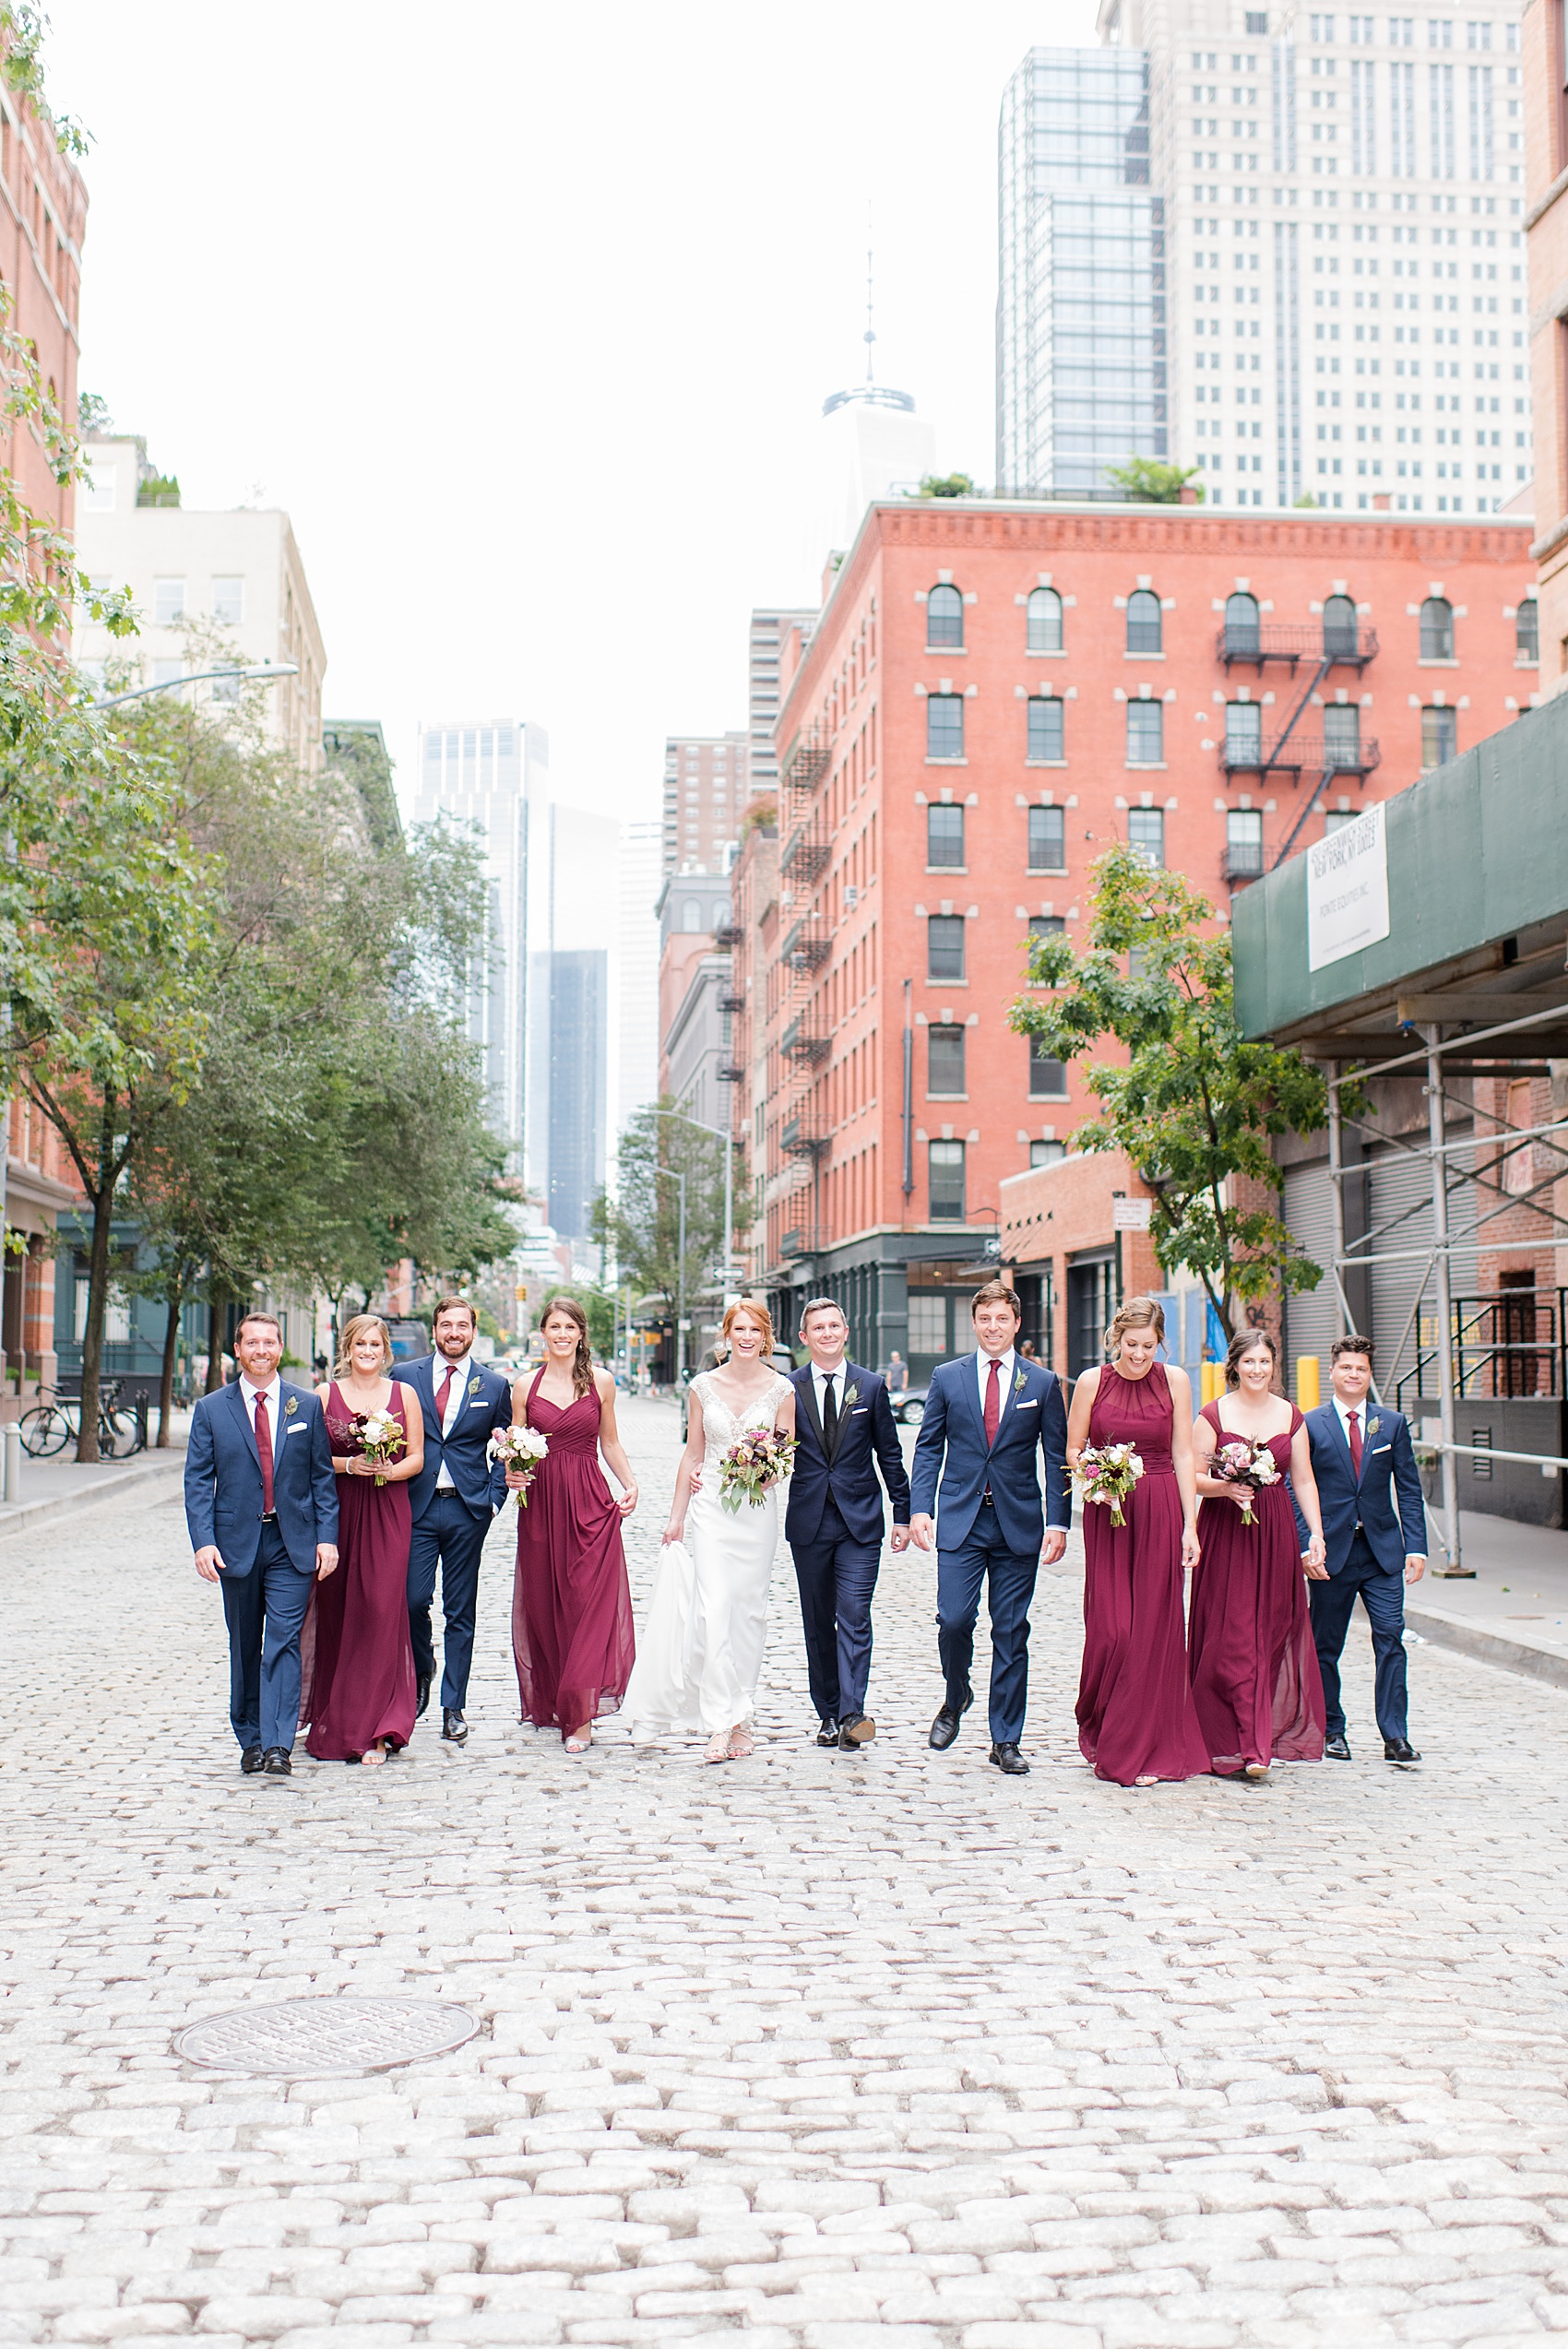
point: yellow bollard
(1213, 1380)
(1307, 1375)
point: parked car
(909, 1408)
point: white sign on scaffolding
(1347, 890)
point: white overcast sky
(526, 314)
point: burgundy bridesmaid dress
(1136, 1716)
(1255, 1678)
(360, 1681)
(571, 1604)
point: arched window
(1437, 629)
(1045, 621)
(1339, 629)
(1144, 631)
(1527, 632)
(943, 619)
(691, 916)
(1241, 631)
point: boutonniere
(1019, 1382)
(1372, 1426)
(292, 1406)
(476, 1386)
(852, 1395)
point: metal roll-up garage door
(1309, 1318)
(1400, 1215)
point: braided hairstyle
(582, 1366)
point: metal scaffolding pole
(1444, 1282)
(1336, 1203)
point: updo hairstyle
(1134, 1313)
(1243, 1342)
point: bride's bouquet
(1107, 1472)
(521, 1448)
(752, 1466)
(1249, 1464)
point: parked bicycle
(56, 1420)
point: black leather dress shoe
(250, 1761)
(1399, 1750)
(858, 1729)
(944, 1728)
(1006, 1757)
(453, 1726)
(421, 1693)
(276, 1763)
(828, 1734)
(1336, 1749)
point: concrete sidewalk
(1515, 1611)
(63, 1487)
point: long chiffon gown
(572, 1637)
(1135, 1715)
(1255, 1679)
(359, 1682)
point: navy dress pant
(451, 1537)
(1332, 1605)
(265, 1611)
(961, 1575)
(836, 1576)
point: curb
(131, 1483)
(1488, 1647)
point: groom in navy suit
(845, 1431)
(261, 1506)
(453, 1501)
(986, 1415)
(1373, 1527)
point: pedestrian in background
(1136, 1724)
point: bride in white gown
(700, 1656)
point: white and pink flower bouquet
(1251, 1465)
(523, 1449)
(752, 1466)
(1106, 1473)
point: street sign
(1130, 1214)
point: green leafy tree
(641, 1226)
(1192, 1104)
(945, 485)
(1149, 480)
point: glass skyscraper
(1080, 319)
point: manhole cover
(312, 2038)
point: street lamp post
(676, 1176)
(264, 669)
(721, 1134)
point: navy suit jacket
(224, 1496)
(487, 1405)
(952, 1445)
(1386, 1502)
(867, 1438)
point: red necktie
(264, 1450)
(1354, 1441)
(992, 1404)
(446, 1395)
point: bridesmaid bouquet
(1250, 1464)
(752, 1466)
(379, 1435)
(521, 1448)
(1107, 1472)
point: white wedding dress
(700, 1654)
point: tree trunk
(97, 1288)
(171, 1349)
(216, 1298)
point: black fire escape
(1329, 744)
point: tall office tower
(573, 891)
(707, 788)
(634, 977)
(767, 633)
(1080, 310)
(1343, 201)
(494, 774)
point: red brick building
(43, 219)
(992, 694)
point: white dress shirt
(840, 1377)
(982, 1371)
(456, 1399)
(1360, 1410)
(274, 1394)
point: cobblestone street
(812, 2048)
